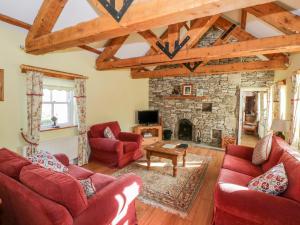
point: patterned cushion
(262, 150)
(88, 187)
(48, 161)
(108, 133)
(273, 182)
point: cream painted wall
(287, 74)
(111, 95)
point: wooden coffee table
(172, 154)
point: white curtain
(34, 86)
(270, 108)
(80, 95)
(295, 117)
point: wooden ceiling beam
(27, 26)
(151, 38)
(277, 16)
(143, 15)
(111, 48)
(242, 35)
(243, 19)
(269, 45)
(212, 69)
(14, 22)
(173, 35)
(198, 28)
(46, 18)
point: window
(58, 102)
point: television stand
(150, 133)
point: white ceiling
(77, 11)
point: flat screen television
(148, 117)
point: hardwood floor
(202, 210)
(249, 140)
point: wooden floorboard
(201, 211)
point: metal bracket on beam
(177, 47)
(110, 6)
(192, 66)
(227, 32)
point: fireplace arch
(185, 130)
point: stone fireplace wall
(221, 90)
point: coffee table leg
(184, 159)
(148, 160)
(174, 161)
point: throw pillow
(88, 187)
(108, 133)
(273, 182)
(48, 161)
(262, 150)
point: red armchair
(114, 153)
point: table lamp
(280, 127)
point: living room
(147, 106)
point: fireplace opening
(185, 130)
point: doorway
(252, 115)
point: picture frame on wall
(199, 92)
(187, 89)
(1, 85)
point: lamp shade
(280, 125)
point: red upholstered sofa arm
(258, 207)
(240, 151)
(106, 144)
(127, 136)
(112, 203)
(63, 158)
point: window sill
(43, 129)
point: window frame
(72, 119)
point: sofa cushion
(130, 146)
(101, 180)
(11, 163)
(262, 150)
(48, 161)
(241, 165)
(233, 177)
(88, 187)
(273, 182)
(276, 152)
(108, 133)
(78, 172)
(58, 187)
(291, 161)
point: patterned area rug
(161, 189)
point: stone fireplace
(185, 130)
(209, 118)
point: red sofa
(235, 204)
(32, 195)
(114, 153)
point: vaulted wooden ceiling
(187, 22)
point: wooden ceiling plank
(269, 45)
(46, 18)
(212, 69)
(277, 16)
(143, 15)
(111, 48)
